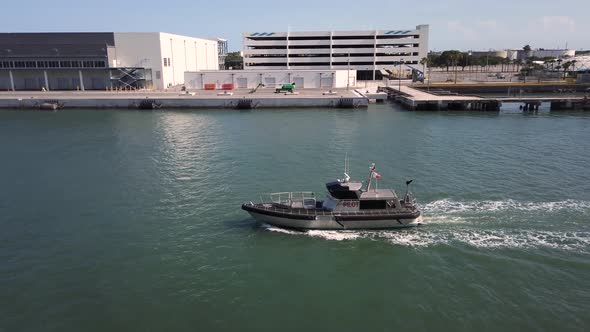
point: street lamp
(348, 73)
(399, 76)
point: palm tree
(424, 62)
(507, 63)
(518, 63)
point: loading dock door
(299, 82)
(326, 82)
(242, 83)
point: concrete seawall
(32, 100)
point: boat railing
(410, 201)
(300, 199)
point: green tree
(527, 48)
(424, 62)
(505, 62)
(433, 60)
(517, 64)
(234, 60)
(449, 58)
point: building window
(158, 74)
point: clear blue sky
(458, 24)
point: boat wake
(449, 206)
(452, 222)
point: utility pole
(455, 58)
(399, 76)
(348, 73)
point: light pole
(468, 66)
(399, 76)
(455, 60)
(348, 73)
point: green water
(131, 221)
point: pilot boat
(346, 206)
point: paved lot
(239, 93)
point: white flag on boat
(376, 175)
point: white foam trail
(328, 235)
(490, 239)
(410, 239)
(576, 241)
(443, 219)
(336, 235)
(461, 230)
(271, 228)
(450, 206)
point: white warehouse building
(101, 60)
(369, 52)
(168, 55)
(242, 79)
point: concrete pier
(438, 100)
(236, 99)
(417, 100)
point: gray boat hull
(333, 222)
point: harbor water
(118, 220)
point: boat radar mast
(346, 169)
(372, 170)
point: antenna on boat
(346, 176)
(407, 189)
(372, 169)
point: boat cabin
(344, 190)
(349, 196)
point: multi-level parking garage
(370, 52)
